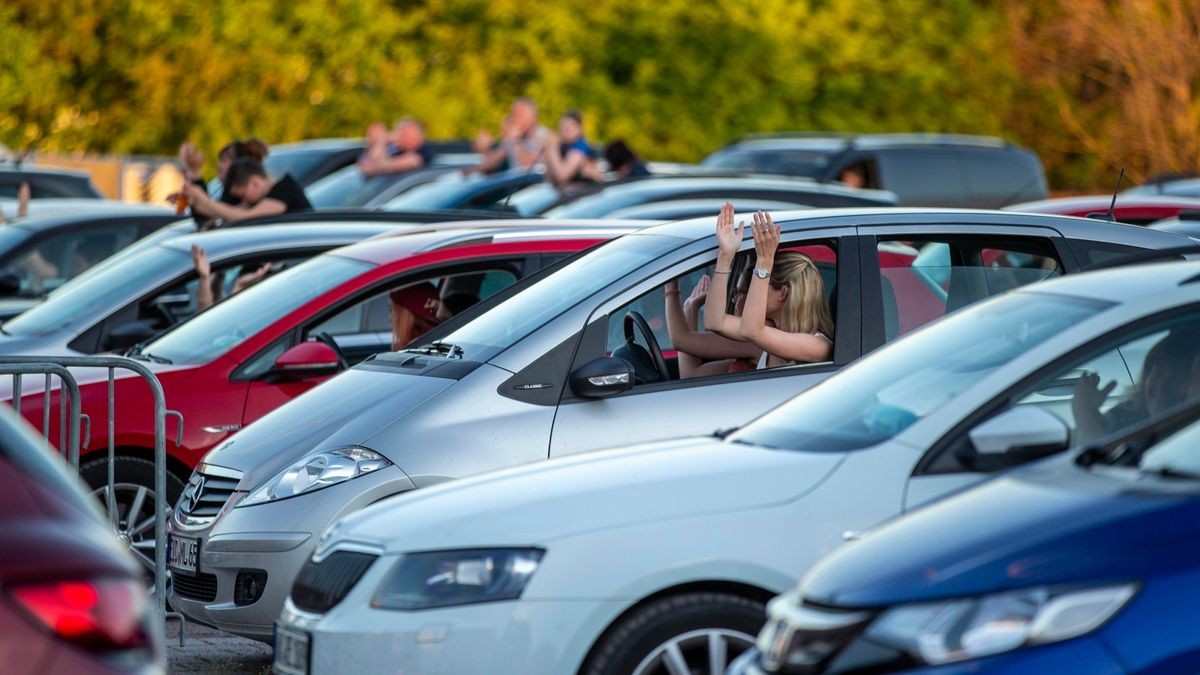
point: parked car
(46, 183)
(531, 376)
(1085, 563)
(456, 190)
(921, 169)
(349, 188)
(154, 289)
(1186, 223)
(38, 254)
(276, 340)
(74, 599)
(797, 193)
(1174, 186)
(1132, 209)
(660, 558)
(680, 209)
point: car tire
(134, 486)
(640, 642)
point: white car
(659, 558)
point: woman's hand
(699, 294)
(766, 238)
(728, 238)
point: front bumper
(275, 538)
(1086, 654)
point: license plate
(182, 553)
(291, 652)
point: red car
(74, 601)
(244, 357)
(1132, 209)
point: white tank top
(762, 360)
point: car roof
(832, 141)
(1100, 203)
(797, 220)
(402, 243)
(318, 144)
(226, 242)
(743, 181)
(1129, 283)
(44, 171)
(56, 219)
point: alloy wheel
(707, 651)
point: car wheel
(133, 494)
(689, 634)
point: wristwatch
(762, 272)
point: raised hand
(728, 237)
(191, 160)
(200, 262)
(766, 238)
(1089, 396)
(699, 293)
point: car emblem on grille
(191, 494)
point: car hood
(1054, 525)
(538, 503)
(10, 307)
(40, 345)
(346, 410)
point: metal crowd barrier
(71, 419)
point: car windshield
(214, 332)
(884, 393)
(175, 229)
(446, 192)
(604, 202)
(1177, 455)
(510, 321)
(10, 238)
(534, 199)
(808, 163)
(347, 187)
(103, 291)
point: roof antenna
(1113, 204)
(517, 184)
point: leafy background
(1092, 85)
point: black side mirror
(10, 284)
(124, 337)
(602, 377)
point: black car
(798, 193)
(922, 169)
(40, 253)
(46, 183)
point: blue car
(1088, 563)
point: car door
(361, 325)
(1102, 388)
(702, 405)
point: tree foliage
(676, 78)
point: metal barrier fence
(71, 419)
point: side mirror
(128, 335)
(307, 359)
(1017, 436)
(602, 377)
(10, 284)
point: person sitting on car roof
(569, 158)
(247, 180)
(406, 150)
(524, 142)
(785, 314)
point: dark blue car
(1083, 564)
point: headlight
(954, 630)
(316, 471)
(446, 578)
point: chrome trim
(349, 546)
(222, 428)
(219, 471)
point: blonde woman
(785, 314)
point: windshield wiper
(147, 356)
(440, 348)
(1168, 472)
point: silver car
(544, 370)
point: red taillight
(104, 614)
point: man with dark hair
(624, 161)
(248, 182)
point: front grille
(206, 492)
(321, 585)
(202, 587)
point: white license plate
(182, 553)
(291, 652)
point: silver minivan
(574, 359)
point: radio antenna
(1113, 204)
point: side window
(365, 327)
(1098, 252)
(696, 353)
(60, 258)
(924, 179)
(923, 279)
(1123, 383)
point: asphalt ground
(208, 650)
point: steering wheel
(633, 319)
(343, 364)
